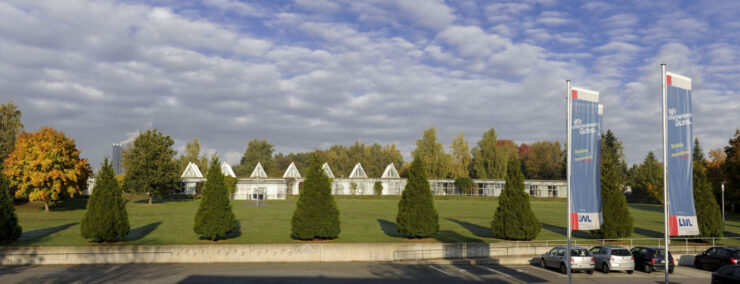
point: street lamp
(723, 207)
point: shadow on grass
(730, 235)
(649, 233)
(69, 205)
(139, 233)
(477, 230)
(646, 207)
(562, 231)
(389, 228)
(447, 236)
(37, 235)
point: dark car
(716, 257)
(727, 274)
(649, 259)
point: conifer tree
(316, 215)
(214, 219)
(106, 219)
(708, 213)
(9, 228)
(514, 218)
(417, 217)
(618, 223)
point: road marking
(503, 274)
(548, 270)
(440, 270)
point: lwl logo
(684, 222)
(584, 218)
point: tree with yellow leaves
(46, 166)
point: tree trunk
(46, 206)
(150, 200)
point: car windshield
(579, 252)
(621, 252)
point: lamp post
(723, 207)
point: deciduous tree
(433, 155)
(192, 155)
(150, 165)
(545, 160)
(732, 172)
(460, 157)
(10, 127)
(258, 151)
(484, 164)
(46, 166)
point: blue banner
(681, 211)
(584, 180)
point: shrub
(9, 228)
(378, 187)
(465, 184)
(417, 217)
(708, 213)
(214, 219)
(106, 219)
(316, 215)
(514, 219)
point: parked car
(650, 259)
(716, 257)
(729, 274)
(580, 259)
(608, 258)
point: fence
(538, 247)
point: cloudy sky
(307, 74)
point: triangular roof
(191, 171)
(258, 172)
(327, 170)
(292, 172)
(390, 172)
(226, 170)
(358, 172)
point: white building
(190, 179)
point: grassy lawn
(363, 219)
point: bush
(9, 228)
(230, 183)
(708, 213)
(378, 187)
(465, 184)
(106, 218)
(514, 218)
(214, 219)
(417, 217)
(316, 215)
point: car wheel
(590, 271)
(563, 269)
(605, 268)
(647, 268)
(542, 263)
(630, 271)
(697, 264)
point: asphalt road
(325, 273)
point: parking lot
(325, 273)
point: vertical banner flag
(585, 139)
(681, 211)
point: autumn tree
(46, 166)
(716, 172)
(106, 218)
(432, 154)
(258, 151)
(732, 171)
(192, 155)
(10, 127)
(545, 160)
(460, 157)
(150, 165)
(484, 164)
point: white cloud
(235, 6)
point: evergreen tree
(698, 153)
(214, 218)
(150, 166)
(417, 217)
(9, 228)
(708, 213)
(316, 215)
(618, 222)
(514, 218)
(732, 172)
(106, 218)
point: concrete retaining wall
(308, 252)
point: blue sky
(308, 74)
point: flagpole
(568, 98)
(665, 174)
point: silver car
(609, 258)
(580, 259)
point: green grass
(363, 219)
